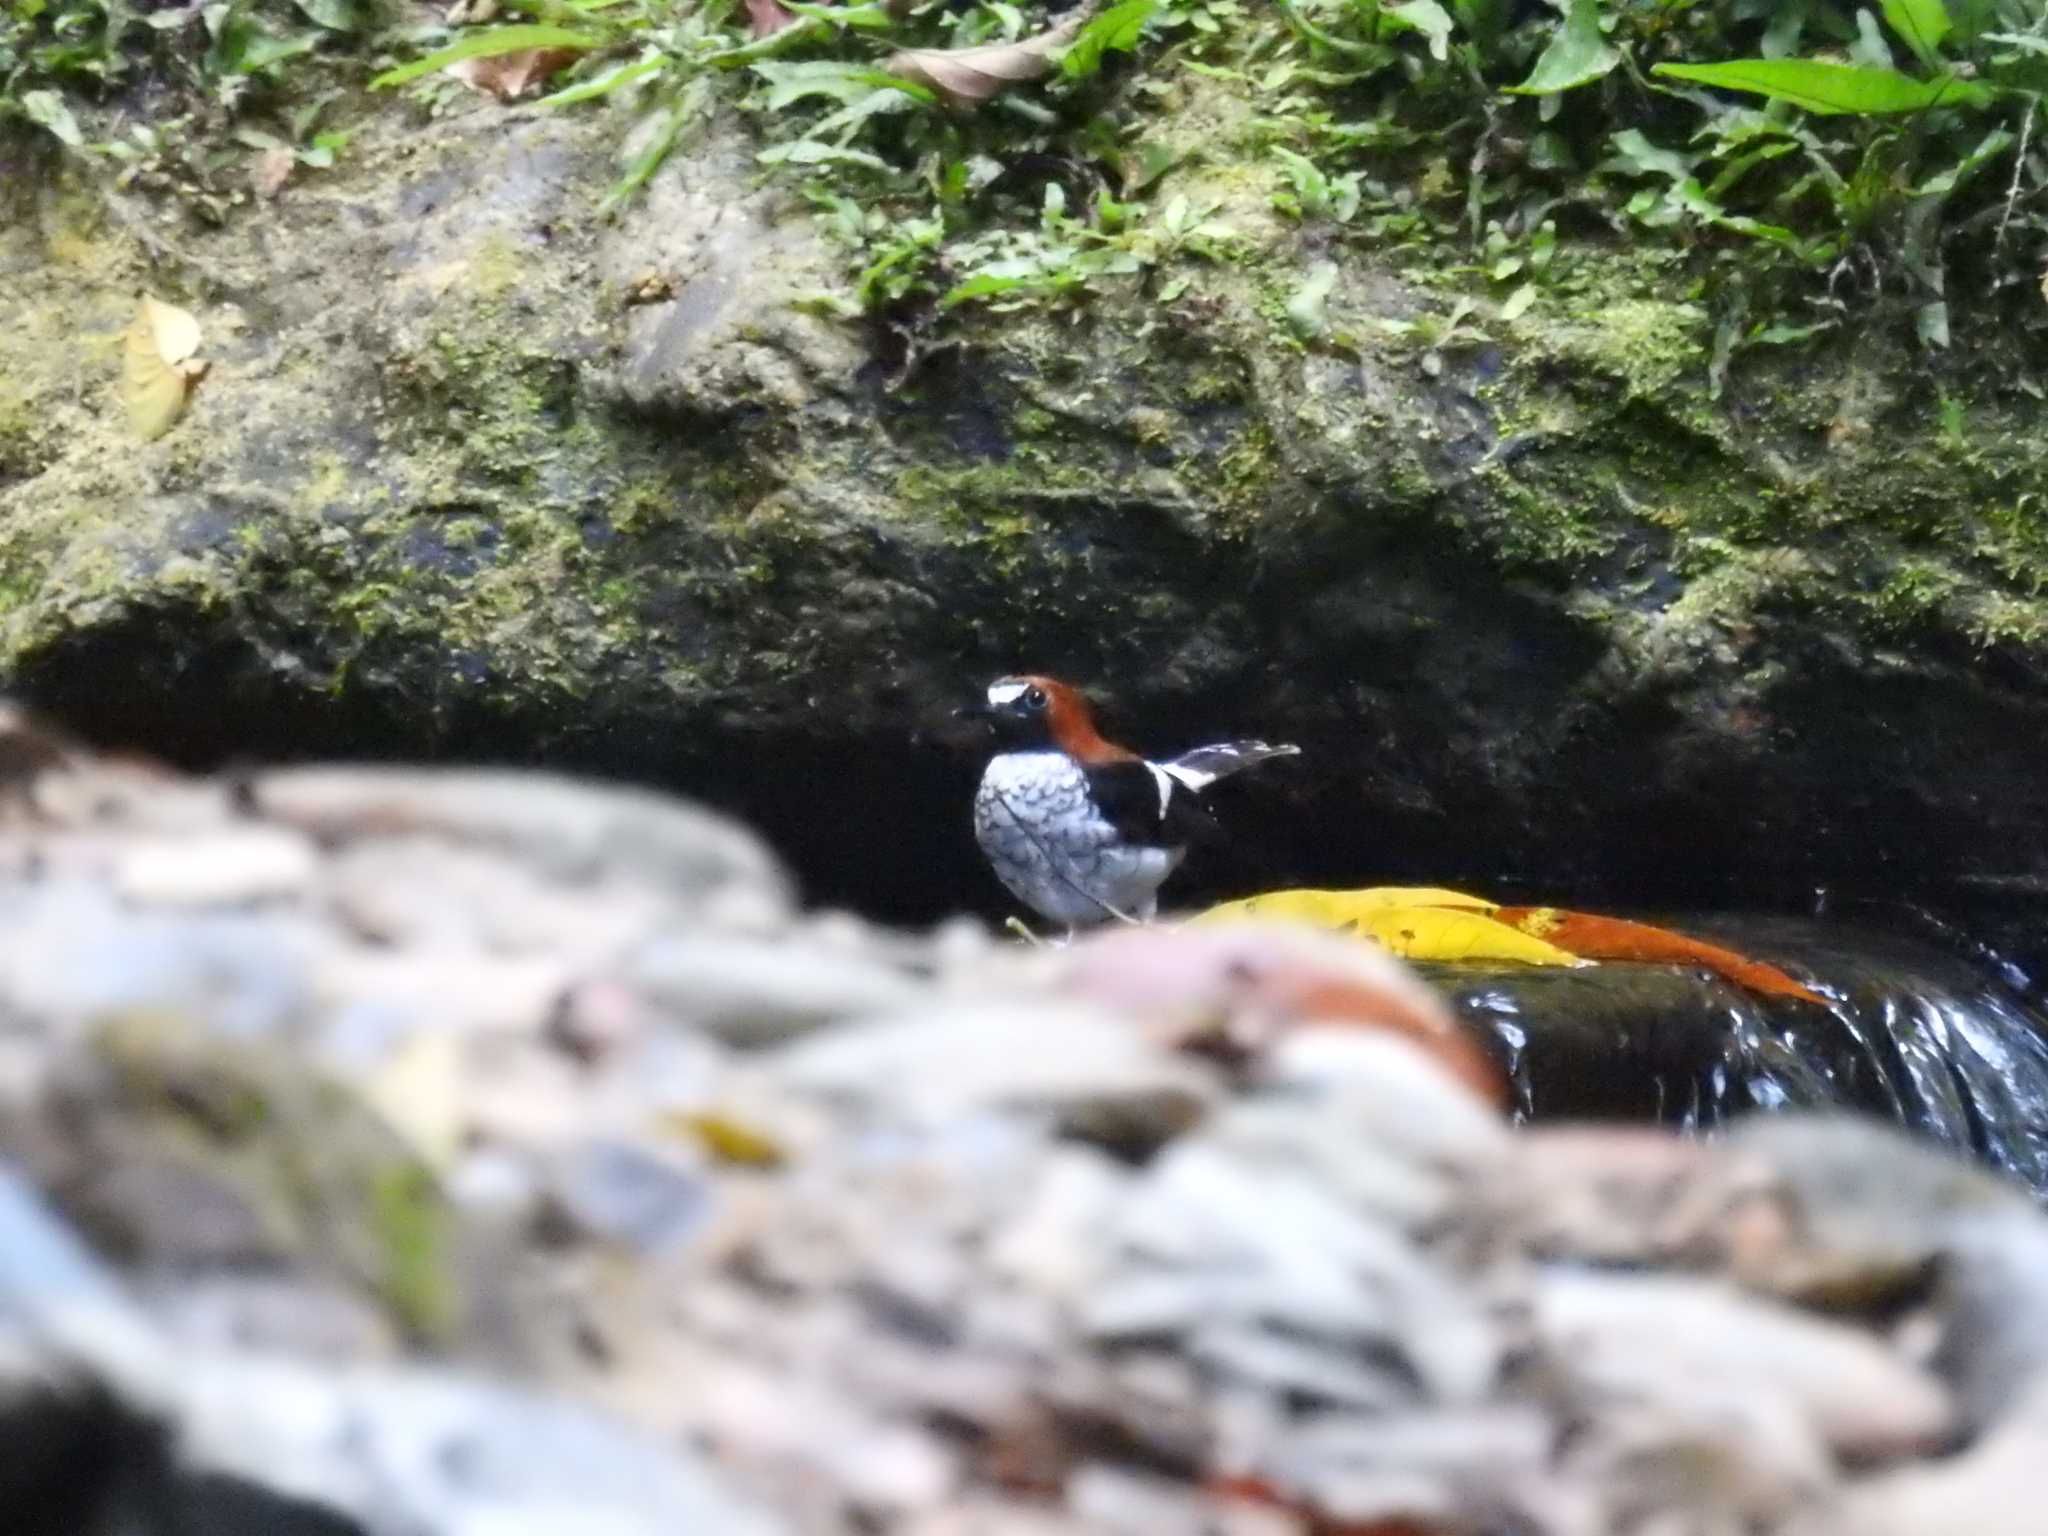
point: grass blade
(483, 45)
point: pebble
(229, 868)
(426, 1084)
(940, 1063)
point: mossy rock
(1539, 604)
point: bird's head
(1032, 711)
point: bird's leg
(1016, 925)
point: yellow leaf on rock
(1454, 933)
(728, 1139)
(160, 366)
(418, 1090)
(1331, 909)
(1420, 923)
(175, 330)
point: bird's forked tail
(1203, 766)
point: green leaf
(1923, 24)
(483, 45)
(1426, 17)
(1518, 302)
(335, 15)
(666, 123)
(813, 152)
(1870, 48)
(843, 83)
(989, 285)
(1117, 28)
(263, 51)
(1308, 310)
(1831, 89)
(1930, 323)
(1787, 21)
(1989, 148)
(47, 108)
(847, 121)
(1634, 152)
(1578, 54)
(604, 84)
(1484, 21)
(861, 18)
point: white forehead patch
(1005, 693)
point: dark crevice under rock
(1902, 798)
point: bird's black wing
(1131, 799)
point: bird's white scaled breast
(1036, 821)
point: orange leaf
(1612, 938)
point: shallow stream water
(1944, 1044)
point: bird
(1079, 829)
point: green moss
(412, 1224)
(17, 430)
(496, 269)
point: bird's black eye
(1034, 698)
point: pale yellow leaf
(728, 1138)
(159, 367)
(418, 1090)
(1414, 932)
(1316, 907)
(176, 330)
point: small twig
(2019, 165)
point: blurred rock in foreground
(399, 1153)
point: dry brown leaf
(768, 16)
(273, 168)
(161, 366)
(970, 76)
(508, 76)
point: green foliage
(490, 44)
(1803, 161)
(1809, 158)
(224, 82)
(1830, 89)
(1578, 54)
(1114, 30)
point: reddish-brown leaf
(1592, 937)
(273, 168)
(1256, 1490)
(508, 76)
(768, 16)
(1233, 989)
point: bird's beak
(974, 712)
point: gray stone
(756, 992)
(947, 1060)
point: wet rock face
(1913, 1034)
(477, 476)
(414, 1153)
